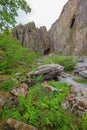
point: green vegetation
(9, 10)
(65, 61)
(80, 80)
(14, 56)
(84, 122)
(40, 108)
(43, 109)
(7, 85)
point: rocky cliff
(69, 32)
(33, 38)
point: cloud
(44, 12)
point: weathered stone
(33, 38)
(83, 74)
(69, 33)
(28, 81)
(12, 101)
(3, 98)
(80, 67)
(18, 125)
(20, 90)
(49, 71)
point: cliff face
(69, 32)
(33, 38)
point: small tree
(9, 10)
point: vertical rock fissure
(72, 21)
(23, 38)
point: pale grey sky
(44, 12)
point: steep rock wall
(69, 33)
(33, 38)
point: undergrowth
(43, 109)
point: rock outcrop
(48, 71)
(69, 32)
(33, 38)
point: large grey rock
(69, 33)
(48, 71)
(83, 74)
(18, 125)
(80, 67)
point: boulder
(20, 90)
(83, 74)
(48, 71)
(18, 125)
(80, 67)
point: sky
(44, 12)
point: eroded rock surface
(48, 71)
(81, 69)
(33, 38)
(83, 74)
(69, 32)
(20, 90)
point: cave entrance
(72, 21)
(46, 52)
